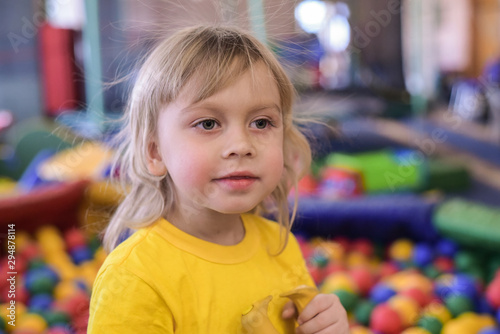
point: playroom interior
(399, 215)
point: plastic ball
(464, 260)
(417, 295)
(431, 271)
(432, 324)
(463, 284)
(498, 316)
(415, 330)
(363, 246)
(444, 264)
(59, 330)
(458, 304)
(363, 278)
(407, 308)
(65, 289)
(360, 330)
(356, 259)
(318, 259)
(493, 293)
(348, 299)
(338, 281)
(363, 311)
(443, 286)
(388, 269)
(41, 280)
(55, 318)
(317, 274)
(381, 293)
(40, 302)
(437, 310)
(446, 247)
(80, 254)
(379, 320)
(74, 238)
(489, 330)
(31, 321)
(401, 250)
(422, 254)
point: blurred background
(411, 89)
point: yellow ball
(415, 330)
(401, 250)
(360, 330)
(407, 308)
(65, 289)
(356, 259)
(439, 311)
(338, 281)
(32, 321)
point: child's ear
(155, 163)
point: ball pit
(55, 273)
(411, 288)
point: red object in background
(58, 69)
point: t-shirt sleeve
(124, 303)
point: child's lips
(237, 181)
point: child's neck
(215, 227)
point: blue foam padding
(485, 150)
(381, 218)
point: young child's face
(224, 153)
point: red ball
(364, 246)
(385, 320)
(74, 238)
(334, 267)
(363, 278)
(444, 264)
(344, 243)
(30, 251)
(417, 295)
(388, 269)
(493, 293)
(317, 274)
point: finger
(289, 310)
(321, 321)
(319, 304)
(336, 328)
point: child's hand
(324, 314)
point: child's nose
(239, 144)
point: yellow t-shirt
(163, 280)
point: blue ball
(498, 316)
(482, 306)
(463, 284)
(447, 247)
(40, 302)
(381, 293)
(81, 254)
(422, 254)
(489, 330)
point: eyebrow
(215, 107)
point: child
(209, 143)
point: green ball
(465, 260)
(56, 318)
(2, 323)
(431, 271)
(431, 324)
(42, 285)
(347, 298)
(363, 311)
(458, 304)
(36, 263)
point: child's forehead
(202, 86)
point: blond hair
(211, 56)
